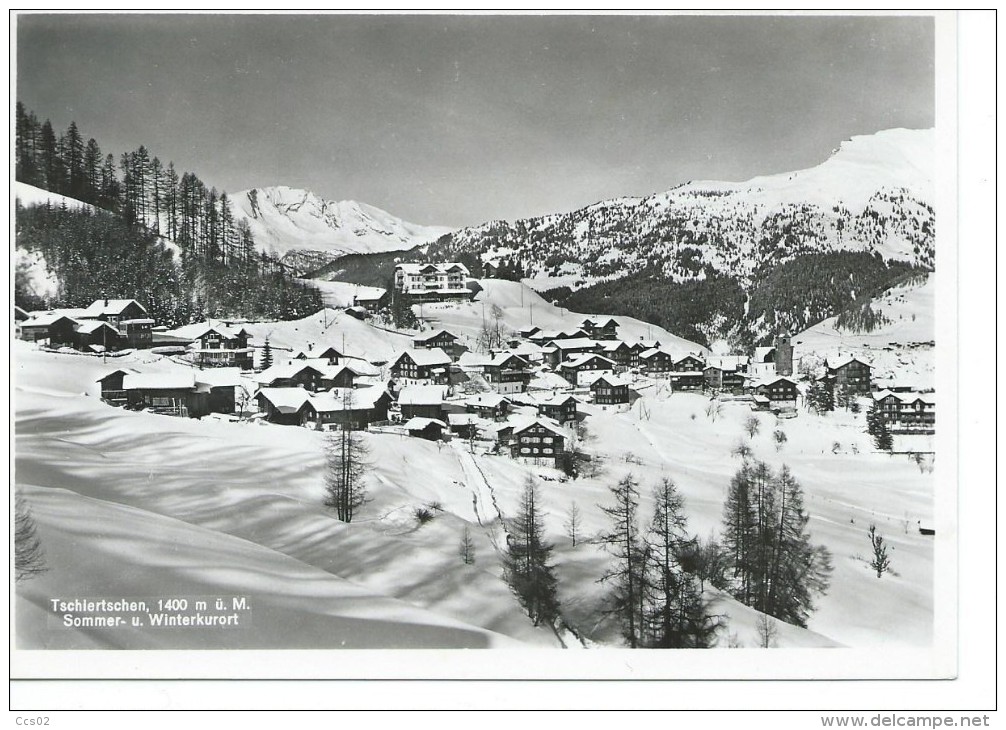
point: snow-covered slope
(28, 195)
(286, 221)
(901, 347)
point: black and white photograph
(606, 333)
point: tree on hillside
(751, 426)
(467, 547)
(775, 567)
(573, 522)
(266, 355)
(677, 615)
(876, 426)
(29, 558)
(880, 562)
(526, 563)
(627, 574)
(347, 461)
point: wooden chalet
(727, 373)
(556, 351)
(431, 429)
(426, 401)
(507, 373)
(600, 328)
(610, 390)
(780, 391)
(528, 332)
(114, 311)
(293, 374)
(620, 353)
(443, 339)
(57, 330)
(464, 425)
(96, 336)
(850, 374)
(329, 354)
(545, 336)
(221, 386)
(112, 391)
(422, 367)
(561, 408)
(137, 333)
(169, 393)
(907, 411)
(656, 362)
(221, 346)
(538, 440)
(286, 406)
(492, 406)
(351, 408)
(576, 370)
(372, 301)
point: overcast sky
(454, 120)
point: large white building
(432, 282)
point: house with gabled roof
(292, 374)
(417, 367)
(610, 390)
(114, 311)
(618, 351)
(55, 329)
(538, 440)
(286, 406)
(443, 339)
(776, 392)
(423, 400)
(112, 391)
(560, 407)
(726, 373)
(507, 373)
(600, 328)
(492, 406)
(431, 429)
(94, 335)
(329, 353)
(656, 362)
(556, 351)
(351, 408)
(907, 412)
(432, 282)
(576, 369)
(172, 393)
(218, 345)
(850, 373)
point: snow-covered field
(139, 505)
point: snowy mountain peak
(287, 221)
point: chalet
(490, 270)
(538, 440)
(112, 391)
(56, 329)
(575, 371)
(431, 429)
(338, 376)
(656, 362)
(619, 352)
(529, 351)
(221, 386)
(488, 405)
(507, 373)
(542, 337)
(850, 373)
(600, 328)
(558, 350)
(528, 332)
(465, 425)
(96, 336)
(432, 282)
(560, 408)
(610, 390)
(726, 373)
(371, 298)
(115, 311)
(293, 374)
(444, 340)
(425, 401)
(287, 406)
(351, 408)
(422, 366)
(220, 346)
(781, 391)
(137, 333)
(330, 354)
(170, 393)
(907, 411)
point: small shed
(431, 429)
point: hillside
(215, 508)
(306, 231)
(872, 199)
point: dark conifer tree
(527, 563)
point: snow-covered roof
(613, 380)
(200, 329)
(111, 306)
(285, 400)
(486, 400)
(45, 320)
(575, 343)
(219, 377)
(418, 423)
(312, 353)
(347, 399)
(522, 423)
(599, 321)
(647, 354)
(578, 360)
(433, 336)
(369, 293)
(422, 395)
(433, 356)
(762, 352)
(612, 345)
(689, 356)
(646, 344)
(843, 360)
(473, 360)
(525, 349)
(284, 370)
(880, 395)
(464, 419)
(771, 380)
(138, 320)
(555, 399)
(91, 325)
(503, 357)
(444, 268)
(727, 362)
(124, 371)
(159, 381)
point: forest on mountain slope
(122, 248)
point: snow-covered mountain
(308, 231)
(874, 194)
